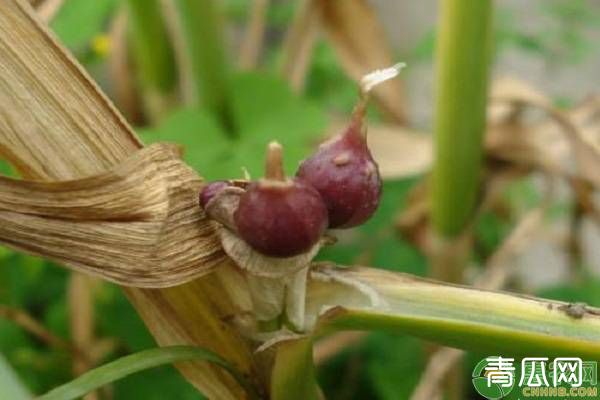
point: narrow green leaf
(293, 375)
(10, 385)
(456, 316)
(137, 362)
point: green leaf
(462, 317)
(395, 365)
(78, 21)
(346, 376)
(267, 110)
(138, 362)
(206, 148)
(293, 375)
(10, 385)
(382, 367)
(116, 317)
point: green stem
(457, 316)
(153, 55)
(202, 29)
(463, 53)
(293, 375)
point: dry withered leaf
(400, 152)
(566, 143)
(360, 43)
(138, 224)
(56, 125)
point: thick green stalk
(457, 316)
(153, 54)
(463, 53)
(202, 28)
(463, 56)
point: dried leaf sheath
(56, 125)
(136, 225)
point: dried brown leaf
(137, 224)
(56, 125)
(361, 45)
(564, 143)
(400, 152)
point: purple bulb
(280, 217)
(210, 190)
(345, 174)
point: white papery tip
(372, 79)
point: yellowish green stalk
(462, 317)
(463, 55)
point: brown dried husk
(56, 125)
(137, 224)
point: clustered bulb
(337, 187)
(345, 174)
(277, 216)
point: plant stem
(463, 52)
(202, 29)
(463, 55)
(153, 55)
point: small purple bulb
(346, 176)
(210, 190)
(280, 217)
